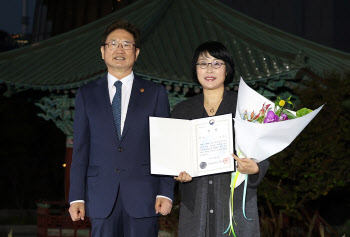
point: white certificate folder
(199, 147)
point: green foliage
(289, 114)
(279, 107)
(318, 161)
(303, 111)
(261, 119)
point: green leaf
(290, 102)
(303, 111)
(278, 112)
(261, 119)
(276, 105)
(289, 114)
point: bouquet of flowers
(267, 115)
(261, 134)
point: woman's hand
(246, 165)
(183, 177)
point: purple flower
(271, 117)
(283, 117)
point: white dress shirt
(126, 92)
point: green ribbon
(244, 195)
(232, 185)
(245, 188)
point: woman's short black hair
(219, 51)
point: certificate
(199, 147)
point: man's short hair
(124, 25)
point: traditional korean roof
(171, 29)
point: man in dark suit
(110, 173)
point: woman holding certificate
(204, 209)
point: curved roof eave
(171, 30)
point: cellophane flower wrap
(260, 141)
(261, 130)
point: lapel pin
(142, 90)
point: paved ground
(167, 225)
(18, 230)
(31, 231)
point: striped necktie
(117, 107)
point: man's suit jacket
(102, 164)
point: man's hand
(246, 165)
(77, 211)
(163, 206)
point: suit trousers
(120, 224)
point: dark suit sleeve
(166, 187)
(81, 146)
(255, 179)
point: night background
(307, 187)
